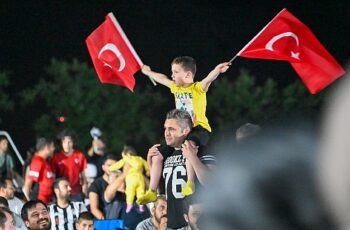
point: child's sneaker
(141, 208)
(148, 197)
(128, 208)
(188, 189)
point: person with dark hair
(36, 215)
(38, 182)
(269, 183)
(98, 187)
(192, 213)
(177, 126)
(70, 163)
(7, 190)
(158, 220)
(3, 202)
(85, 221)
(64, 212)
(6, 219)
(17, 217)
(191, 97)
(246, 131)
(6, 161)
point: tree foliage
(72, 90)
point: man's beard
(158, 219)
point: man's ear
(27, 223)
(186, 131)
(186, 218)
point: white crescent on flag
(269, 45)
(114, 49)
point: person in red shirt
(70, 163)
(40, 177)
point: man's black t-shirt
(99, 186)
(175, 177)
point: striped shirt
(64, 218)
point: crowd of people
(59, 187)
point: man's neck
(42, 154)
(155, 222)
(105, 177)
(68, 153)
(63, 203)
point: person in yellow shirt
(191, 97)
(134, 180)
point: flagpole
(251, 41)
(116, 23)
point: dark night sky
(32, 32)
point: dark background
(32, 32)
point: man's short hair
(3, 216)
(67, 133)
(113, 157)
(42, 142)
(159, 197)
(4, 202)
(85, 216)
(187, 202)
(3, 138)
(29, 205)
(57, 182)
(187, 63)
(183, 117)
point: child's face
(85, 225)
(180, 76)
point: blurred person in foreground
(334, 170)
(7, 221)
(17, 217)
(267, 183)
(192, 213)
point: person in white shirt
(7, 190)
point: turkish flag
(287, 38)
(114, 58)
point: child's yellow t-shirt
(193, 99)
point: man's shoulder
(206, 157)
(146, 224)
(98, 184)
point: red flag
(113, 56)
(287, 38)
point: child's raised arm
(158, 77)
(221, 68)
